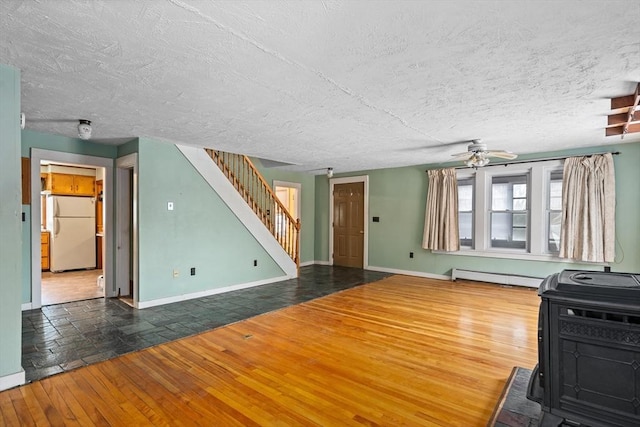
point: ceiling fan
(478, 155)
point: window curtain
(441, 219)
(588, 209)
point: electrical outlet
(255, 262)
(193, 271)
(176, 273)
(410, 254)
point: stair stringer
(212, 174)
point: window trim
(548, 211)
(538, 175)
(511, 211)
(472, 211)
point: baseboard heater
(503, 279)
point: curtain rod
(546, 159)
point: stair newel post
(297, 248)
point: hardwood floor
(70, 286)
(401, 351)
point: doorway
(348, 211)
(72, 228)
(289, 195)
(106, 166)
(127, 229)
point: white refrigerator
(71, 220)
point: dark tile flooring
(62, 337)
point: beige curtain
(441, 219)
(588, 209)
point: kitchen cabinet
(98, 251)
(99, 206)
(71, 185)
(26, 181)
(44, 250)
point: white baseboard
(13, 380)
(319, 262)
(306, 264)
(27, 306)
(503, 279)
(209, 292)
(409, 272)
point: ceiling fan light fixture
(84, 129)
(329, 172)
(477, 160)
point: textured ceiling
(349, 84)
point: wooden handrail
(255, 190)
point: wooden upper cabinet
(71, 185)
(26, 181)
(85, 185)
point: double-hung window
(465, 211)
(554, 211)
(511, 211)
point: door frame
(37, 155)
(298, 188)
(124, 234)
(347, 180)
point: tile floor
(62, 337)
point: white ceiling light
(329, 172)
(84, 129)
(477, 161)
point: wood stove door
(594, 365)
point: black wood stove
(588, 370)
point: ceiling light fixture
(329, 172)
(84, 129)
(477, 154)
(477, 160)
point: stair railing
(253, 188)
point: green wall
(321, 232)
(398, 197)
(200, 232)
(47, 141)
(128, 148)
(10, 224)
(307, 215)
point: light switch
(169, 206)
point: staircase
(250, 184)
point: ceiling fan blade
(463, 156)
(501, 154)
(436, 146)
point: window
(554, 211)
(509, 214)
(465, 212)
(511, 211)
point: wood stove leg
(549, 420)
